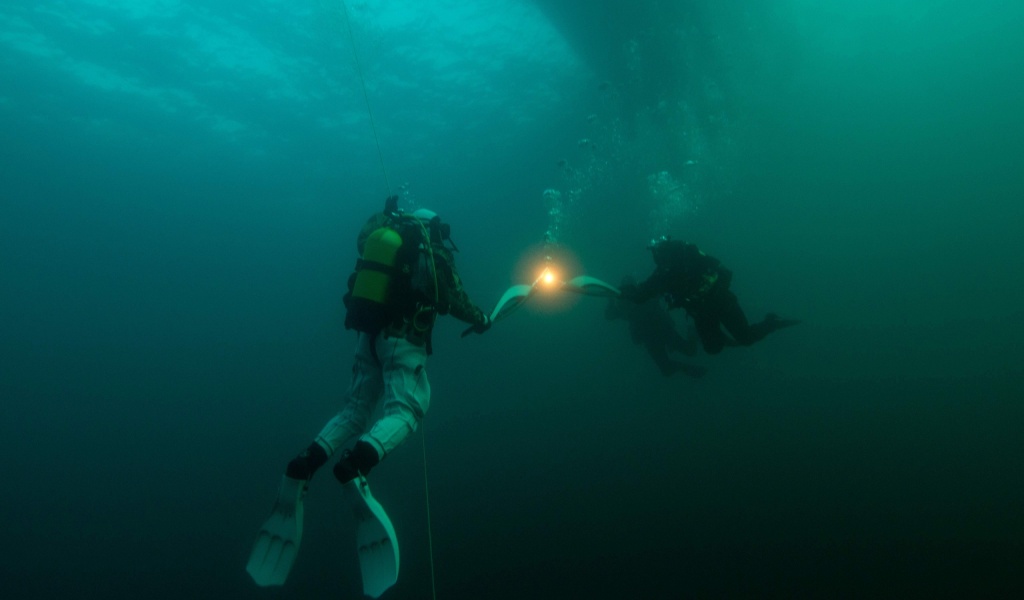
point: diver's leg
(659, 353)
(735, 321)
(684, 345)
(745, 334)
(709, 331)
(360, 399)
(406, 400)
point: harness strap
(373, 265)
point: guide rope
(366, 97)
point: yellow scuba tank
(379, 265)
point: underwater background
(181, 184)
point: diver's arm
(458, 303)
(645, 290)
(463, 309)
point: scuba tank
(378, 266)
(395, 277)
(377, 279)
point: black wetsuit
(698, 283)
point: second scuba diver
(698, 283)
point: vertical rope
(430, 528)
(366, 98)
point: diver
(393, 317)
(699, 283)
(404, 278)
(652, 326)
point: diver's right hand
(479, 327)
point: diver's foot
(357, 461)
(690, 344)
(775, 323)
(345, 471)
(693, 371)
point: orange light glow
(547, 278)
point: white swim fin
(511, 300)
(590, 286)
(277, 544)
(375, 539)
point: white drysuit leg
(388, 367)
(362, 396)
(406, 393)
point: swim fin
(694, 371)
(774, 323)
(512, 299)
(375, 539)
(277, 544)
(590, 286)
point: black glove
(629, 291)
(479, 327)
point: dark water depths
(180, 188)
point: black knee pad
(305, 465)
(357, 461)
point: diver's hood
(668, 252)
(424, 214)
